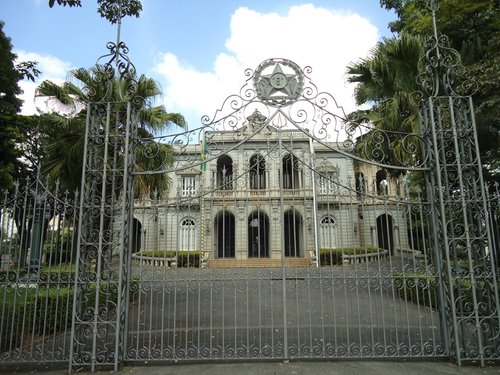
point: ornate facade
(260, 192)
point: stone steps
(258, 263)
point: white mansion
(264, 181)
(260, 192)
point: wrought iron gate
(288, 231)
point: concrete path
(293, 368)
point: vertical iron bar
(283, 260)
(442, 214)
(466, 225)
(83, 191)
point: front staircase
(258, 263)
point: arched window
(188, 186)
(360, 184)
(187, 235)
(257, 172)
(328, 232)
(382, 183)
(328, 182)
(225, 173)
(290, 172)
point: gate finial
(116, 64)
(442, 72)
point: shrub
(52, 279)
(417, 287)
(423, 288)
(184, 258)
(37, 312)
(26, 312)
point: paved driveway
(332, 312)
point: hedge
(47, 309)
(331, 257)
(184, 258)
(423, 288)
(27, 311)
(417, 287)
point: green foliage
(419, 288)
(28, 70)
(386, 80)
(184, 258)
(58, 246)
(331, 257)
(70, 3)
(115, 10)
(423, 289)
(9, 76)
(9, 106)
(47, 309)
(473, 29)
(10, 246)
(13, 127)
(28, 311)
(63, 140)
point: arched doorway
(385, 235)
(224, 229)
(293, 234)
(258, 235)
(136, 237)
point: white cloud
(52, 69)
(325, 39)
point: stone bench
(365, 258)
(143, 260)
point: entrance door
(384, 233)
(225, 235)
(293, 234)
(258, 235)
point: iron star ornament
(278, 82)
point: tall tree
(12, 126)
(386, 80)
(473, 29)
(112, 10)
(64, 134)
(9, 106)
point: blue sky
(198, 49)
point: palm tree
(64, 129)
(386, 81)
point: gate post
(462, 245)
(102, 282)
